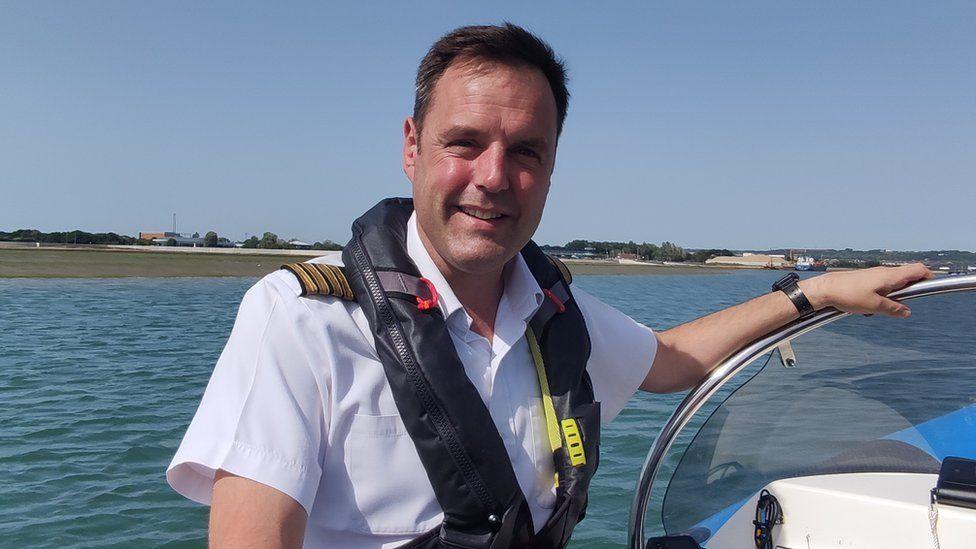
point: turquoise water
(99, 379)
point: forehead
(513, 98)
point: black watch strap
(788, 285)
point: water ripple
(99, 379)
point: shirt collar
(522, 293)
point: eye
(461, 143)
(526, 151)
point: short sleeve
(621, 353)
(262, 415)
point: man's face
(481, 168)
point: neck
(479, 293)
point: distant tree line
(665, 251)
(211, 239)
(68, 237)
(270, 241)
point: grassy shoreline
(25, 262)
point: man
(352, 420)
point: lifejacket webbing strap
(552, 422)
(419, 287)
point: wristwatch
(788, 285)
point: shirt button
(494, 522)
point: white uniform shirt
(299, 401)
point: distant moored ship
(804, 263)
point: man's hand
(864, 291)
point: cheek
(437, 181)
(532, 189)
(449, 177)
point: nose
(491, 170)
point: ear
(411, 146)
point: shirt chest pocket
(381, 486)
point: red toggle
(427, 304)
(560, 308)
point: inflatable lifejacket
(459, 447)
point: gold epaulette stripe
(320, 282)
(563, 269)
(321, 279)
(338, 280)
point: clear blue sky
(728, 124)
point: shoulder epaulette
(321, 279)
(563, 269)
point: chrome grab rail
(735, 363)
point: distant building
(299, 245)
(750, 260)
(563, 253)
(627, 256)
(153, 236)
(179, 239)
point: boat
(805, 263)
(834, 431)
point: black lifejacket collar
(459, 447)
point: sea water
(99, 379)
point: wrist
(813, 289)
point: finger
(910, 273)
(891, 307)
(925, 272)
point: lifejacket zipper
(441, 423)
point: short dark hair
(506, 43)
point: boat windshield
(866, 394)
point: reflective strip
(393, 281)
(574, 442)
(552, 423)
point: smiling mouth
(484, 215)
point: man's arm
(245, 513)
(687, 353)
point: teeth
(480, 214)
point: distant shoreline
(159, 262)
(598, 267)
(115, 263)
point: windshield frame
(728, 369)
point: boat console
(852, 510)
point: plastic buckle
(574, 442)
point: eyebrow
(459, 130)
(463, 130)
